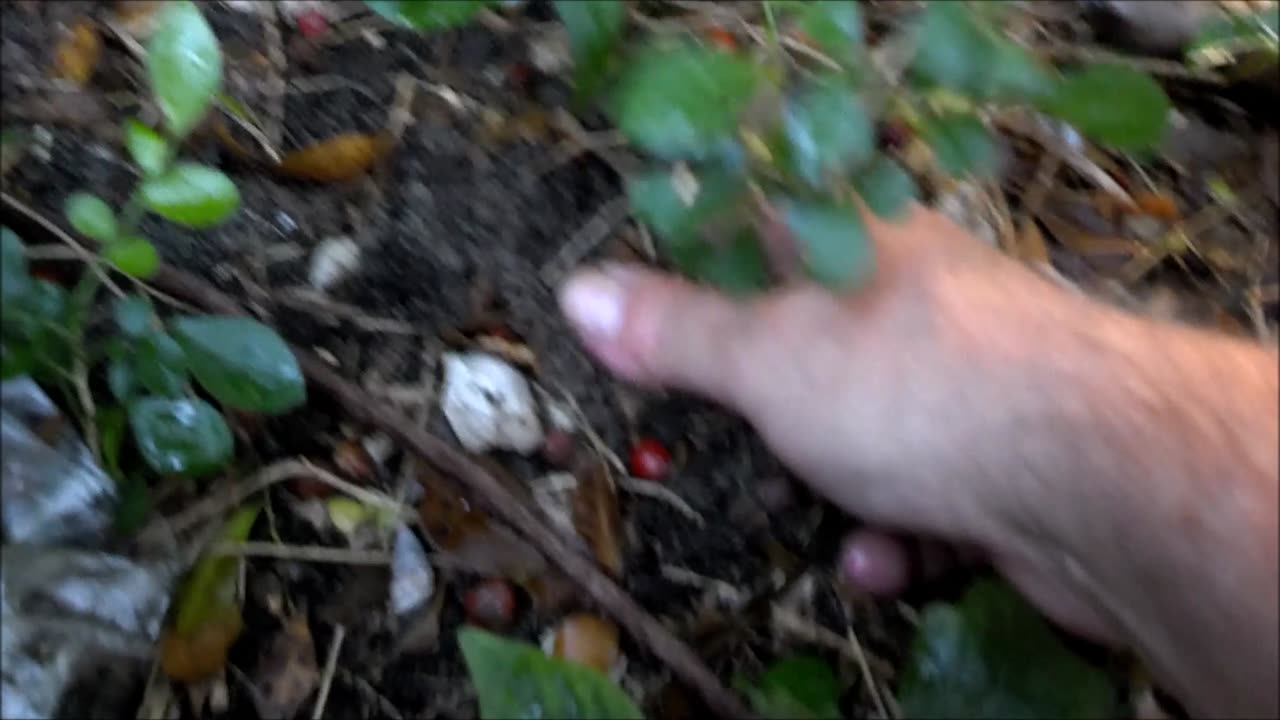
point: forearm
(1162, 479)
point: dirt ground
(470, 219)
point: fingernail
(594, 303)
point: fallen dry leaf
(287, 673)
(1086, 243)
(467, 537)
(1030, 246)
(586, 639)
(1157, 205)
(199, 653)
(596, 516)
(76, 57)
(341, 157)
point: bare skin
(1122, 473)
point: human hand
(894, 400)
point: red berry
(649, 460)
(312, 24)
(722, 38)
(894, 134)
(490, 603)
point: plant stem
(772, 24)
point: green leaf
(594, 29)
(91, 216)
(135, 257)
(828, 131)
(132, 314)
(517, 680)
(992, 655)
(1112, 104)
(121, 379)
(799, 687)
(960, 142)
(886, 187)
(427, 14)
(190, 194)
(832, 239)
(682, 101)
(738, 267)
(951, 49)
(185, 66)
(149, 150)
(160, 364)
(836, 26)
(241, 362)
(210, 588)
(180, 436)
(958, 50)
(112, 422)
(677, 214)
(28, 316)
(15, 279)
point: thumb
(656, 329)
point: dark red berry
(894, 134)
(649, 459)
(490, 603)
(722, 38)
(312, 24)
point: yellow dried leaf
(77, 55)
(341, 157)
(1031, 247)
(588, 640)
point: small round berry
(491, 603)
(649, 459)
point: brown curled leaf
(596, 516)
(341, 157)
(287, 673)
(76, 57)
(196, 654)
(586, 639)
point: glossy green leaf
(957, 49)
(15, 278)
(952, 50)
(517, 680)
(190, 194)
(210, 587)
(683, 100)
(594, 29)
(241, 362)
(28, 315)
(160, 364)
(800, 687)
(134, 256)
(828, 131)
(180, 436)
(677, 206)
(832, 239)
(121, 379)
(185, 66)
(91, 216)
(1114, 105)
(836, 26)
(961, 143)
(886, 187)
(427, 14)
(149, 150)
(992, 655)
(15, 359)
(738, 267)
(132, 314)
